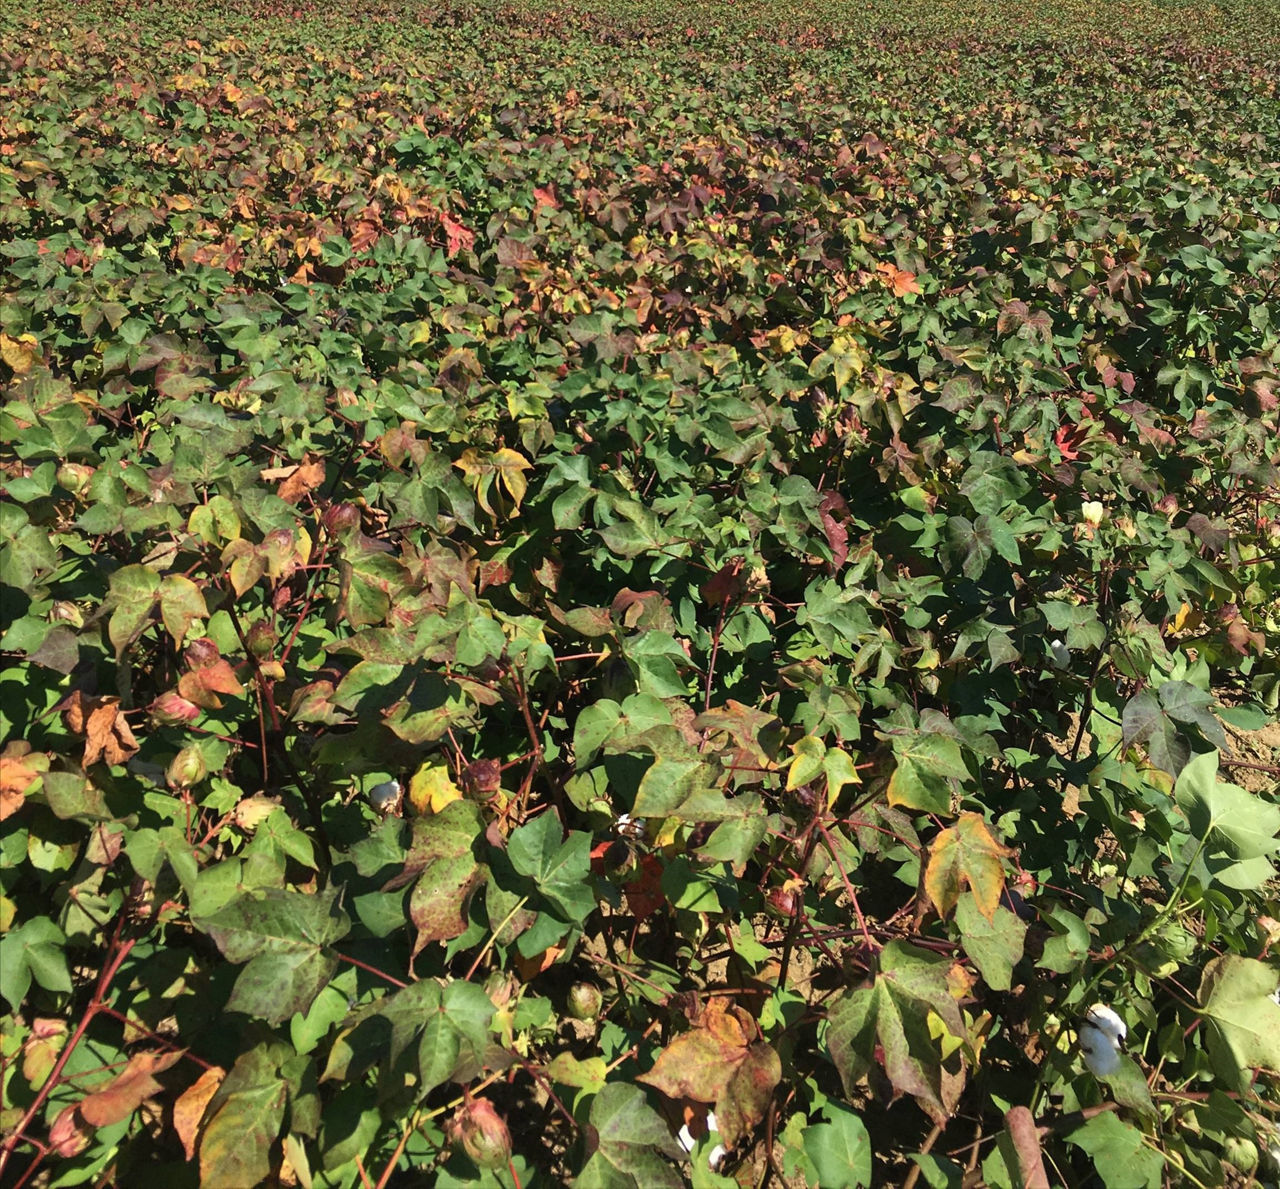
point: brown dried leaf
(129, 1091)
(302, 479)
(99, 720)
(188, 1111)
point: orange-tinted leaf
(188, 1111)
(898, 279)
(129, 1091)
(966, 854)
(17, 774)
(202, 686)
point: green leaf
(33, 950)
(455, 1036)
(133, 595)
(282, 936)
(1128, 1085)
(1239, 828)
(441, 851)
(626, 1144)
(181, 604)
(894, 1013)
(994, 945)
(244, 1120)
(1119, 1154)
(839, 1150)
(1069, 947)
(927, 765)
(1160, 718)
(370, 580)
(559, 866)
(1237, 998)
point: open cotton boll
(1060, 652)
(684, 1137)
(1105, 1020)
(1101, 1035)
(385, 797)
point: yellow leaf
(839, 770)
(966, 853)
(511, 467)
(809, 754)
(18, 353)
(432, 788)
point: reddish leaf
(834, 511)
(1021, 1125)
(748, 1093)
(721, 1062)
(129, 1090)
(1068, 439)
(203, 685)
(725, 585)
(644, 895)
(69, 1136)
(460, 237)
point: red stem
(119, 951)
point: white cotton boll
(1101, 1035)
(684, 1139)
(1106, 1020)
(715, 1158)
(1060, 652)
(385, 797)
(712, 1125)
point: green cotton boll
(187, 768)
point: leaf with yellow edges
(432, 788)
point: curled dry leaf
(69, 1136)
(301, 479)
(101, 722)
